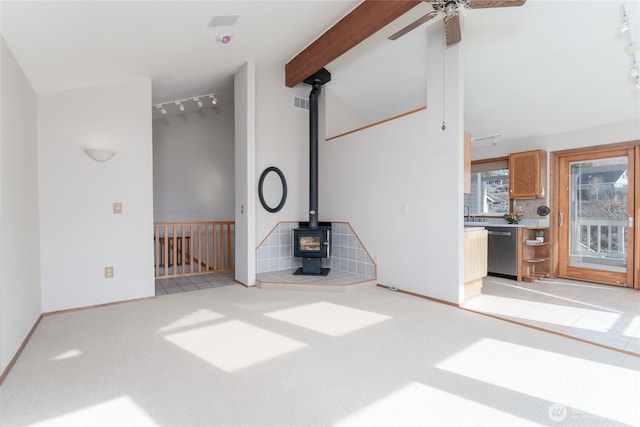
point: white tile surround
(348, 254)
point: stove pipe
(316, 80)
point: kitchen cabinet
(528, 174)
(467, 163)
(535, 255)
(475, 261)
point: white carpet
(247, 357)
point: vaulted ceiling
(543, 68)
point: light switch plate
(108, 272)
(117, 207)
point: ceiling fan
(451, 10)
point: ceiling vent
(223, 20)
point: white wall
(244, 87)
(193, 166)
(589, 136)
(282, 140)
(400, 186)
(79, 233)
(20, 304)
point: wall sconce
(99, 155)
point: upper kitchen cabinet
(528, 174)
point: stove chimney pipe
(316, 80)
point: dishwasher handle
(499, 233)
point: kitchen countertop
(472, 228)
(499, 222)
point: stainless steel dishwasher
(503, 252)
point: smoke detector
(224, 38)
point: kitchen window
(489, 187)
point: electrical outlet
(117, 207)
(108, 272)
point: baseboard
(19, 352)
(413, 294)
(88, 307)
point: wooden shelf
(534, 277)
(535, 258)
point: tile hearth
(336, 281)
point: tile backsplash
(347, 252)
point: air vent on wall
(300, 103)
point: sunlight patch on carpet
(234, 345)
(414, 403)
(122, 411)
(329, 319)
(528, 370)
(191, 319)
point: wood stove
(312, 245)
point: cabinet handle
(561, 219)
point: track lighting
(624, 26)
(632, 47)
(181, 104)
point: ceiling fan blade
(452, 29)
(413, 25)
(483, 4)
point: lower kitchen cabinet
(534, 254)
(475, 262)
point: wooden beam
(363, 21)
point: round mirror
(272, 189)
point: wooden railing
(188, 248)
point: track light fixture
(180, 103)
(484, 138)
(631, 47)
(624, 26)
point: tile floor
(607, 315)
(192, 283)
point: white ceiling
(545, 67)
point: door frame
(633, 264)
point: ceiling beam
(363, 21)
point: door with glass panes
(595, 229)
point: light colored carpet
(232, 356)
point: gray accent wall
(193, 166)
